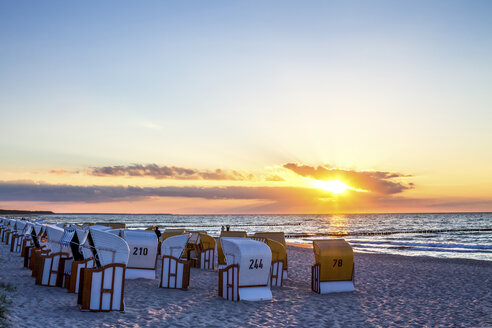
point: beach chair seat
(220, 253)
(175, 273)
(26, 242)
(334, 268)
(101, 288)
(205, 252)
(247, 274)
(48, 268)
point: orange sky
(253, 107)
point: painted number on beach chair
(254, 264)
(337, 262)
(140, 251)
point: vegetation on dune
(5, 302)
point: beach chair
(101, 288)
(220, 253)
(74, 238)
(49, 262)
(175, 271)
(34, 244)
(18, 237)
(247, 274)
(333, 271)
(143, 253)
(202, 252)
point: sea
(444, 235)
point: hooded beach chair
(202, 251)
(48, 265)
(143, 253)
(175, 271)
(32, 252)
(247, 274)
(334, 268)
(27, 240)
(18, 236)
(102, 287)
(276, 242)
(220, 253)
(74, 238)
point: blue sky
(387, 85)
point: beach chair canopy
(336, 258)
(277, 236)
(143, 248)
(172, 232)
(108, 248)
(206, 241)
(80, 241)
(236, 234)
(174, 245)
(55, 235)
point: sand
(391, 291)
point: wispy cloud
(169, 172)
(374, 181)
(59, 171)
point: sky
(194, 107)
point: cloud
(374, 181)
(59, 171)
(169, 172)
(256, 199)
(68, 193)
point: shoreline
(390, 290)
(422, 257)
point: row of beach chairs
(93, 261)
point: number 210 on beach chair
(333, 271)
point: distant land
(24, 212)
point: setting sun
(334, 186)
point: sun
(333, 186)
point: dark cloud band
(169, 172)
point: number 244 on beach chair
(246, 276)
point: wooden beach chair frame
(92, 295)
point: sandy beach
(391, 291)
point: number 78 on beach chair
(333, 271)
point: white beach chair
(143, 253)
(49, 267)
(81, 257)
(333, 271)
(175, 272)
(247, 275)
(102, 287)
